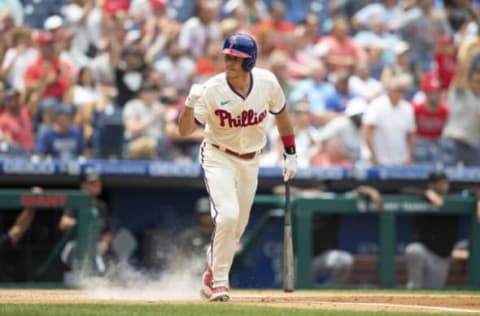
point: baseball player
(232, 107)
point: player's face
(233, 66)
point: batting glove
(289, 166)
(195, 93)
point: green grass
(220, 309)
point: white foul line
(437, 308)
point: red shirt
(19, 127)
(430, 123)
(446, 67)
(36, 72)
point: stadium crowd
(376, 82)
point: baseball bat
(288, 265)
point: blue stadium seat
(108, 137)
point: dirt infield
(405, 302)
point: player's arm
(186, 119)
(285, 129)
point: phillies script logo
(246, 118)
(36, 200)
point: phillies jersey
(235, 122)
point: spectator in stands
(13, 9)
(342, 51)
(48, 76)
(144, 119)
(337, 102)
(331, 154)
(430, 119)
(446, 60)
(461, 135)
(331, 265)
(91, 183)
(389, 125)
(364, 85)
(389, 11)
(18, 58)
(81, 18)
(277, 23)
(198, 29)
(16, 122)
(85, 90)
(401, 65)
(63, 140)
(316, 89)
(347, 129)
(421, 26)
(427, 257)
(176, 68)
(255, 10)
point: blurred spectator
(198, 29)
(13, 8)
(316, 89)
(362, 84)
(305, 133)
(18, 58)
(427, 257)
(81, 17)
(176, 69)
(277, 23)
(389, 125)
(278, 64)
(16, 122)
(421, 26)
(348, 130)
(446, 60)
(430, 119)
(63, 140)
(144, 119)
(129, 70)
(91, 183)
(332, 154)
(337, 102)
(48, 76)
(341, 50)
(85, 90)
(389, 11)
(461, 135)
(401, 65)
(211, 64)
(254, 10)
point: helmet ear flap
(248, 64)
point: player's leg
(246, 189)
(220, 180)
(415, 254)
(436, 271)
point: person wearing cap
(388, 125)
(16, 122)
(427, 256)
(144, 120)
(63, 140)
(48, 76)
(337, 102)
(91, 183)
(430, 119)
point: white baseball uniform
(234, 126)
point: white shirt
(194, 35)
(82, 95)
(16, 75)
(366, 88)
(177, 73)
(137, 110)
(391, 127)
(234, 122)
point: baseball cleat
(219, 294)
(206, 290)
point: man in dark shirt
(92, 184)
(435, 235)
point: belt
(247, 156)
